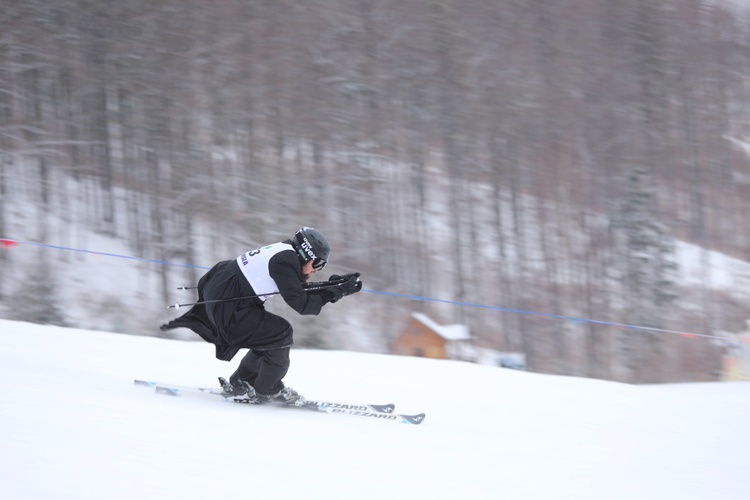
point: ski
(368, 411)
(328, 407)
(177, 390)
(352, 410)
(385, 412)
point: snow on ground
(75, 427)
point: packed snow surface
(75, 427)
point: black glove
(351, 286)
(345, 277)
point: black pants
(263, 370)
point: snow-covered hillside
(75, 427)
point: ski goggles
(319, 264)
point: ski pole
(316, 285)
(177, 305)
(311, 285)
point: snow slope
(75, 427)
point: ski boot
(241, 392)
(285, 397)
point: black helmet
(310, 244)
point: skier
(235, 324)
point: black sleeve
(285, 269)
(326, 295)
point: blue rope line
(5, 241)
(572, 319)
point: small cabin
(424, 337)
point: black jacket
(235, 324)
